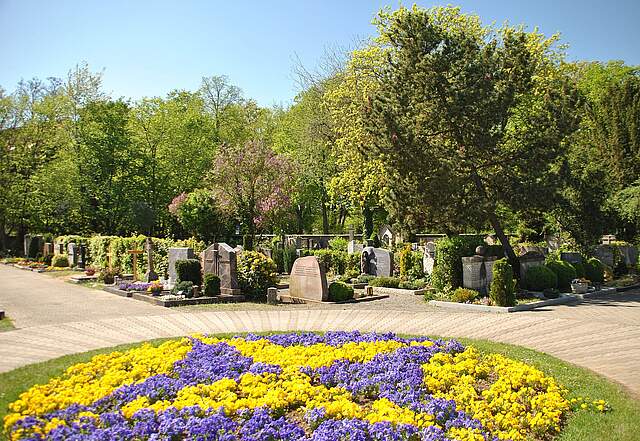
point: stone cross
(150, 275)
(135, 262)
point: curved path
(601, 334)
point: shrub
(464, 295)
(289, 256)
(413, 284)
(189, 270)
(339, 292)
(594, 270)
(375, 240)
(365, 278)
(184, 286)
(410, 263)
(47, 259)
(503, 287)
(385, 282)
(60, 261)
(107, 276)
(34, 247)
(580, 271)
(256, 273)
(539, 278)
(551, 293)
(564, 272)
(338, 244)
(211, 285)
(448, 266)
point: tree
(467, 118)
(218, 95)
(252, 182)
(200, 215)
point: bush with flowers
(336, 386)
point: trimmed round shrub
(539, 278)
(594, 270)
(385, 282)
(339, 292)
(464, 295)
(60, 261)
(189, 270)
(211, 285)
(565, 272)
(256, 273)
(184, 286)
(503, 288)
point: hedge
(539, 278)
(564, 271)
(447, 272)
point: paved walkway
(600, 334)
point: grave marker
(150, 275)
(134, 265)
(174, 255)
(221, 260)
(308, 280)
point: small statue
(364, 262)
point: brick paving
(56, 318)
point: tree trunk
(300, 218)
(497, 227)
(325, 217)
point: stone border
(397, 291)
(222, 298)
(562, 300)
(355, 300)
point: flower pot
(579, 287)
(90, 272)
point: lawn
(622, 423)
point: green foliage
(410, 263)
(579, 267)
(551, 293)
(60, 261)
(564, 271)
(201, 216)
(256, 273)
(34, 248)
(539, 278)
(338, 244)
(365, 278)
(464, 295)
(413, 284)
(385, 282)
(447, 272)
(340, 292)
(107, 276)
(184, 286)
(375, 240)
(211, 285)
(594, 270)
(189, 270)
(503, 286)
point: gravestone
(308, 280)
(571, 257)
(47, 250)
(429, 257)
(605, 254)
(72, 254)
(354, 247)
(150, 275)
(477, 272)
(134, 263)
(528, 261)
(376, 262)
(60, 248)
(221, 260)
(174, 255)
(82, 256)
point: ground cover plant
(302, 386)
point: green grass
(6, 324)
(622, 423)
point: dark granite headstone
(220, 259)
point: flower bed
(336, 386)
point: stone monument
(221, 260)
(376, 262)
(354, 247)
(429, 257)
(150, 275)
(174, 255)
(528, 261)
(477, 271)
(72, 253)
(308, 280)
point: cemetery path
(32, 299)
(601, 334)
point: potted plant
(579, 286)
(155, 289)
(90, 271)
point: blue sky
(148, 48)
